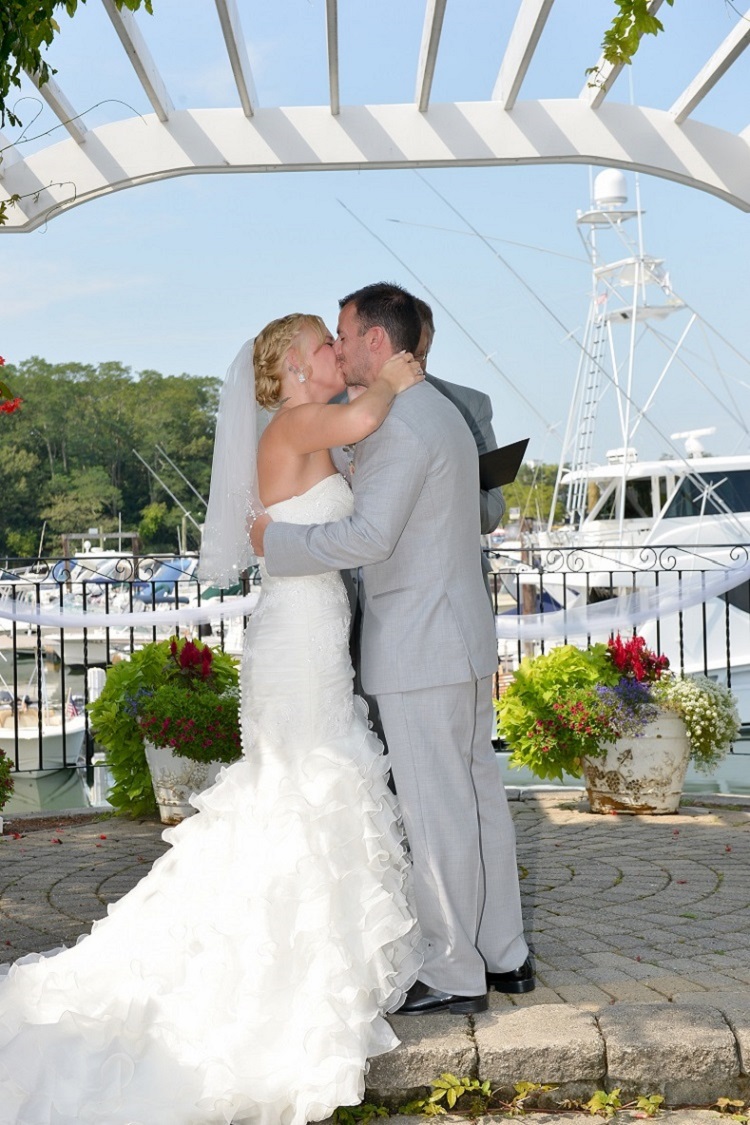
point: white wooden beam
(140, 150)
(229, 18)
(529, 25)
(431, 31)
(332, 40)
(61, 107)
(606, 74)
(140, 59)
(719, 63)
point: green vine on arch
(28, 26)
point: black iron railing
(49, 675)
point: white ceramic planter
(641, 775)
(175, 780)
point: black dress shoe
(517, 980)
(421, 1000)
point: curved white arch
(310, 138)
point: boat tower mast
(625, 292)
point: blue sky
(174, 276)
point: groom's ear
(376, 337)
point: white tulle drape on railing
(145, 618)
(674, 594)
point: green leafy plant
(523, 1091)
(358, 1114)
(448, 1088)
(649, 1105)
(570, 703)
(734, 1108)
(27, 28)
(623, 37)
(603, 1104)
(171, 694)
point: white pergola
(503, 129)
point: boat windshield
(638, 501)
(714, 492)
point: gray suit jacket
(476, 409)
(414, 531)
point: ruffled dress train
(245, 978)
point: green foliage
(529, 721)
(733, 1108)
(532, 491)
(602, 1104)
(6, 781)
(449, 1088)
(27, 27)
(195, 724)
(81, 499)
(116, 728)
(649, 1105)
(623, 37)
(115, 716)
(67, 457)
(153, 521)
(358, 1114)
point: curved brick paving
(640, 926)
(618, 908)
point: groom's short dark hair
(390, 307)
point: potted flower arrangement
(168, 718)
(616, 714)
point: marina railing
(49, 675)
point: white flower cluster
(709, 711)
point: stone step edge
(692, 1053)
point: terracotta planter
(641, 775)
(175, 780)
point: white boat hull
(57, 750)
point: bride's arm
(315, 426)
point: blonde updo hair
(272, 345)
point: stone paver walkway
(641, 927)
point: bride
(245, 978)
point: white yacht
(635, 524)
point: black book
(500, 466)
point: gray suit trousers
(460, 832)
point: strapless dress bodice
(329, 499)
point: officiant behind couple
(428, 654)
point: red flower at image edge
(12, 404)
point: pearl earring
(297, 371)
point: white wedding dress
(244, 978)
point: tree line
(67, 460)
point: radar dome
(610, 187)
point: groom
(428, 655)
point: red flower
(10, 406)
(190, 655)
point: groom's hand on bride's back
(257, 530)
